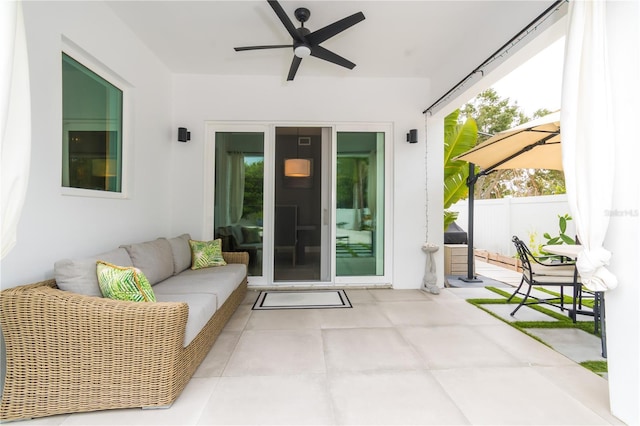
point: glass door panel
(239, 194)
(299, 205)
(360, 204)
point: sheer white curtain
(588, 138)
(236, 186)
(15, 123)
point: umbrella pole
(471, 180)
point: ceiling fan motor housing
(300, 48)
(302, 14)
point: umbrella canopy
(532, 145)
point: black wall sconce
(412, 136)
(183, 134)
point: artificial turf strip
(567, 299)
(513, 324)
(516, 300)
(563, 321)
(596, 366)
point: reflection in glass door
(360, 204)
(300, 203)
(239, 194)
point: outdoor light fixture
(183, 134)
(412, 136)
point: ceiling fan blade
(294, 67)
(337, 27)
(275, 46)
(285, 20)
(322, 53)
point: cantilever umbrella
(532, 145)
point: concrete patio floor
(396, 357)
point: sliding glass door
(308, 203)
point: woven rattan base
(70, 353)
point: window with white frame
(92, 142)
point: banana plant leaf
(455, 188)
(459, 138)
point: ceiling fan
(307, 43)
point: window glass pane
(92, 129)
(360, 204)
(239, 194)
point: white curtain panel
(236, 190)
(587, 123)
(15, 121)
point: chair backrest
(524, 254)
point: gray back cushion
(79, 275)
(181, 251)
(153, 258)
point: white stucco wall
(200, 98)
(167, 177)
(54, 226)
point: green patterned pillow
(206, 253)
(124, 283)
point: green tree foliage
(253, 191)
(458, 138)
(352, 185)
(344, 182)
(494, 114)
(350, 172)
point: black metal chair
(536, 273)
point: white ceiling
(440, 40)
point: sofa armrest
(236, 257)
(107, 353)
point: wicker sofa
(71, 352)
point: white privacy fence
(496, 221)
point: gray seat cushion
(219, 280)
(80, 276)
(202, 306)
